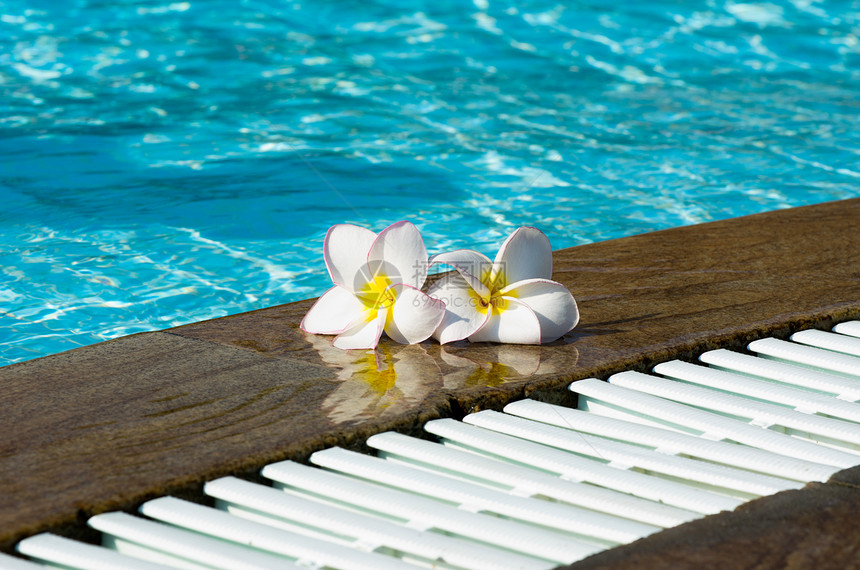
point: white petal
(364, 333)
(472, 265)
(526, 254)
(345, 251)
(333, 312)
(517, 324)
(415, 315)
(462, 317)
(399, 253)
(551, 302)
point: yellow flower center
(376, 295)
(494, 280)
(493, 302)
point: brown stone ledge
(108, 426)
(812, 528)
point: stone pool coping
(108, 426)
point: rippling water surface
(162, 163)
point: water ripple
(165, 162)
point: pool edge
(644, 299)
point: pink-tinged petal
(551, 302)
(516, 324)
(415, 315)
(462, 317)
(333, 312)
(472, 265)
(362, 334)
(526, 254)
(399, 253)
(345, 253)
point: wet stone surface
(108, 426)
(814, 527)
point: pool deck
(108, 426)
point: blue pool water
(166, 162)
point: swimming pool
(168, 162)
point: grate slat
(829, 341)
(179, 548)
(760, 390)
(425, 513)
(657, 410)
(578, 468)
(588, 525)
(362, 531)
(812, 357)
(524, 480)
(850, 328)
(57, 551)
(843, 434)
(672, 442)
(303, 550)
(784, 373)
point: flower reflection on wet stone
(394, 380)
(474, 369)
(379, 384)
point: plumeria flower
(377, 286)
(510, 299)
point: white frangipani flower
(510, 299)
(377, 286)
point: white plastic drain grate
(534, 487)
